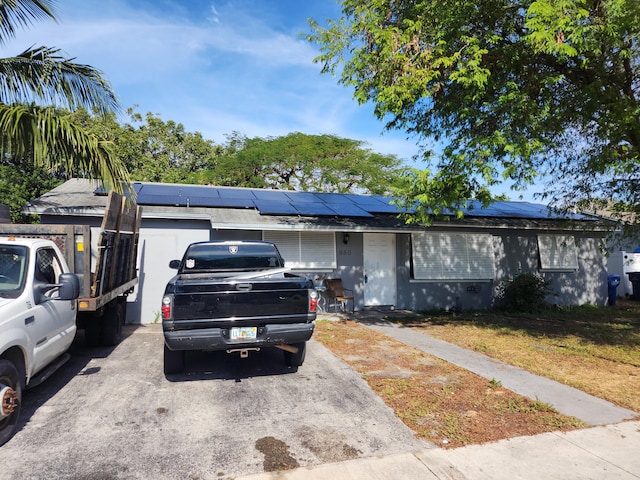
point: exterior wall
(160, 242)
(515, 251)
(424, 295)
(518, 251)
(223, 235)
(350, 265)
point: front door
(379, 269)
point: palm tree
(34, 86)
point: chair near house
(338, 294)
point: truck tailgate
(236, 301)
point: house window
(557, 252)
(305, 250)
(452, 256)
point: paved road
(112, 414)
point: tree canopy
(34, 86)
(506, 90)
(155, 150)
(297, 161)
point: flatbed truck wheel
(10, 400)
(113, 320)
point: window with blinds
(557, 252)
(304, 250)
(452, 256)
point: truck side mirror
(175, 264)
(69, 286)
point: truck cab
(37, 318)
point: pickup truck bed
(236, 297)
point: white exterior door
(379, 269)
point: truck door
(51, 323)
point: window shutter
(452, 256)
(288, 245)
(557, 252)
(304, 250)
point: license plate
(244, 333)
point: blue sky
(216, 66)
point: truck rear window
(228, 257)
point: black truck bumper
(213, 339)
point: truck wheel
(10, 400)
(113, 320)
(93, 330)
(173, 361)
(296, 359)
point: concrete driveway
(112, 414)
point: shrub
(526, 292)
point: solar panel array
(309, 204)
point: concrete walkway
(610, 450)
(599, 453)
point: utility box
(622, 263)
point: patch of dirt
(327, 445)
(442, 403)
(276, 454)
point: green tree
(21, 182)
(154, 150)
(34, 85)
(510, 89)
(297, 161)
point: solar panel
(236, 203)
(363, 199)
(160, 189)
(268, 207)
(271, 195)
(160, 200)
(315, 209)
(349, 210)
(228, 192)
(297, 197)
(280, 202)
(332, 198)
(381, 207)
(199, 191)
(373, 203)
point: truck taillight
(313, 300)
(166, 307)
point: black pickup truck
(236, 296)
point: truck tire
(173, 361)
(114, 315)
(93, 330)
(296, 359)
(11, 398)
